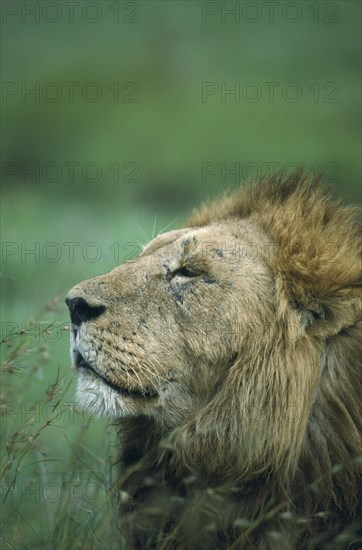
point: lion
(228, 356)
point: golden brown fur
(230, 357)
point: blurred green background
(117, 119)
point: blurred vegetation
(148, 138)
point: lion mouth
(81, 363)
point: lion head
(236, 337)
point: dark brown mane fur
(269, 463)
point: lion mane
(269, 462)
(238, 437)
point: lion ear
(320, 278)
(326, 310)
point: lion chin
(229, 355)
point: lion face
(158, 335)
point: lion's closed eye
(186, 272)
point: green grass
(56, 470)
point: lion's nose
(80, 310)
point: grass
(56, 469)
